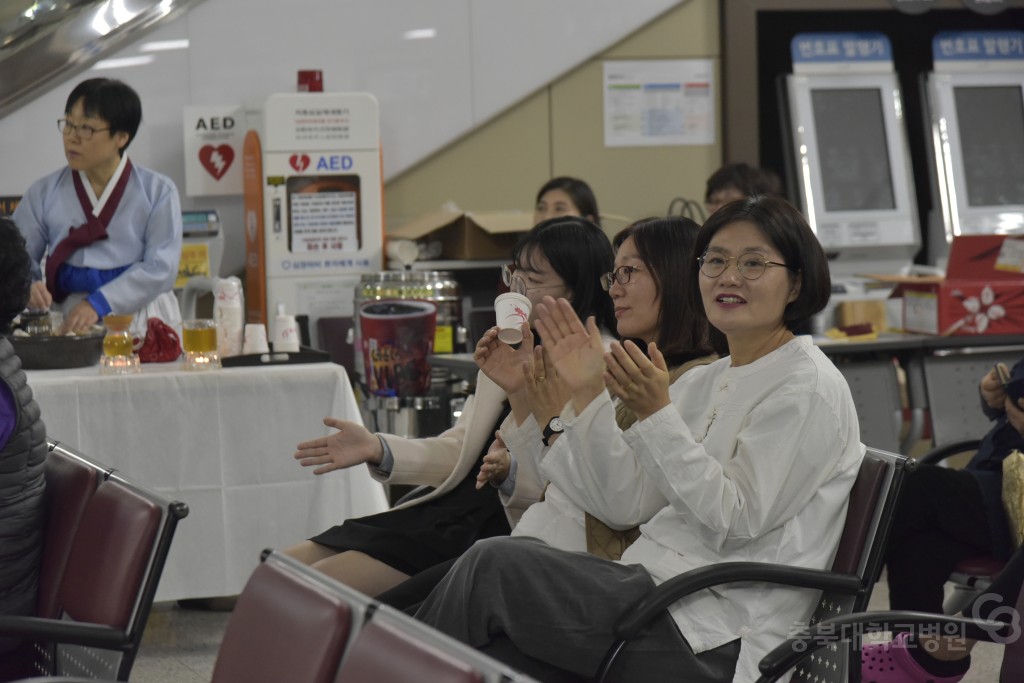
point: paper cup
(255, 339)
(511, 310)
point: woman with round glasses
(562, 256)
(750, 458)
(651, 307)
(111, 231)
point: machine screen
(991, 122)
(323, 214)
(854, 154)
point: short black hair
(788, 232)
(748, 179)
(665, 245)
(580, 252)
(15, 273)
(111, 100)
(579, 192)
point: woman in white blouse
(749, 458)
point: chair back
(875, 388)
(861, 552)
(397, 648)
(71, 481)
(291, 623)
(951, 385)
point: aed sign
(334, 162)
(213, 149)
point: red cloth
(162, 343)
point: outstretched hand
(641, 383)
(352, 444)
(500, 362)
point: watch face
(556, 425)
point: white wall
(487, 55)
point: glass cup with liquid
(199, 342)
(119, 357)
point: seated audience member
(561, 256)
(738, 181)
(22, 449)
(651, 306)
(749, 458)
(945, 516)
(565, 196)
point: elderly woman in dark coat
(22, 448)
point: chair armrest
(940, 453)
(780, 660)
(61, 631)
(694, 580)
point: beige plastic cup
(511, 310)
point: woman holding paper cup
(111, 231)
(564, 257)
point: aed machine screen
(853, 151)
(323, 214)
(991, 123)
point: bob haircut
(111, 100)
(580, 252)
(15, 273)
(579, 192)
(666, 246)
(787, 230)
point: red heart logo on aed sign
(300, 162)
(216, 160)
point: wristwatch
(553, 427)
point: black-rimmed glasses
(620, 275)
(751, 265)
(84, 131)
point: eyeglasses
(750, 265)
(516, 283)
(84, 131)
(620, 275)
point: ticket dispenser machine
(848, 159)
(975, 110)
(313, 204)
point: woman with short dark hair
(110, 230)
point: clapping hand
(574, 349)
(352, 444)
(546, 392)
(497, 462)
(641, 383)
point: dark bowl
(52, 353)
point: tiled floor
(180, 645)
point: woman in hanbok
(110, 230)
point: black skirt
(415, 538)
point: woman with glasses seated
(651, 307)
(562, 257)
(749, 458)
(111, 231)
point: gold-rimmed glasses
(750, 264)
(516, 283)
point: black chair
(846, 587)
(106, 587)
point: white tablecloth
(221, 441)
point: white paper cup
(255, 339)
(511, 310)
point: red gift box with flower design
(982, 293)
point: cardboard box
(982, 293)
(468, 234)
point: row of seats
(106, 542)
